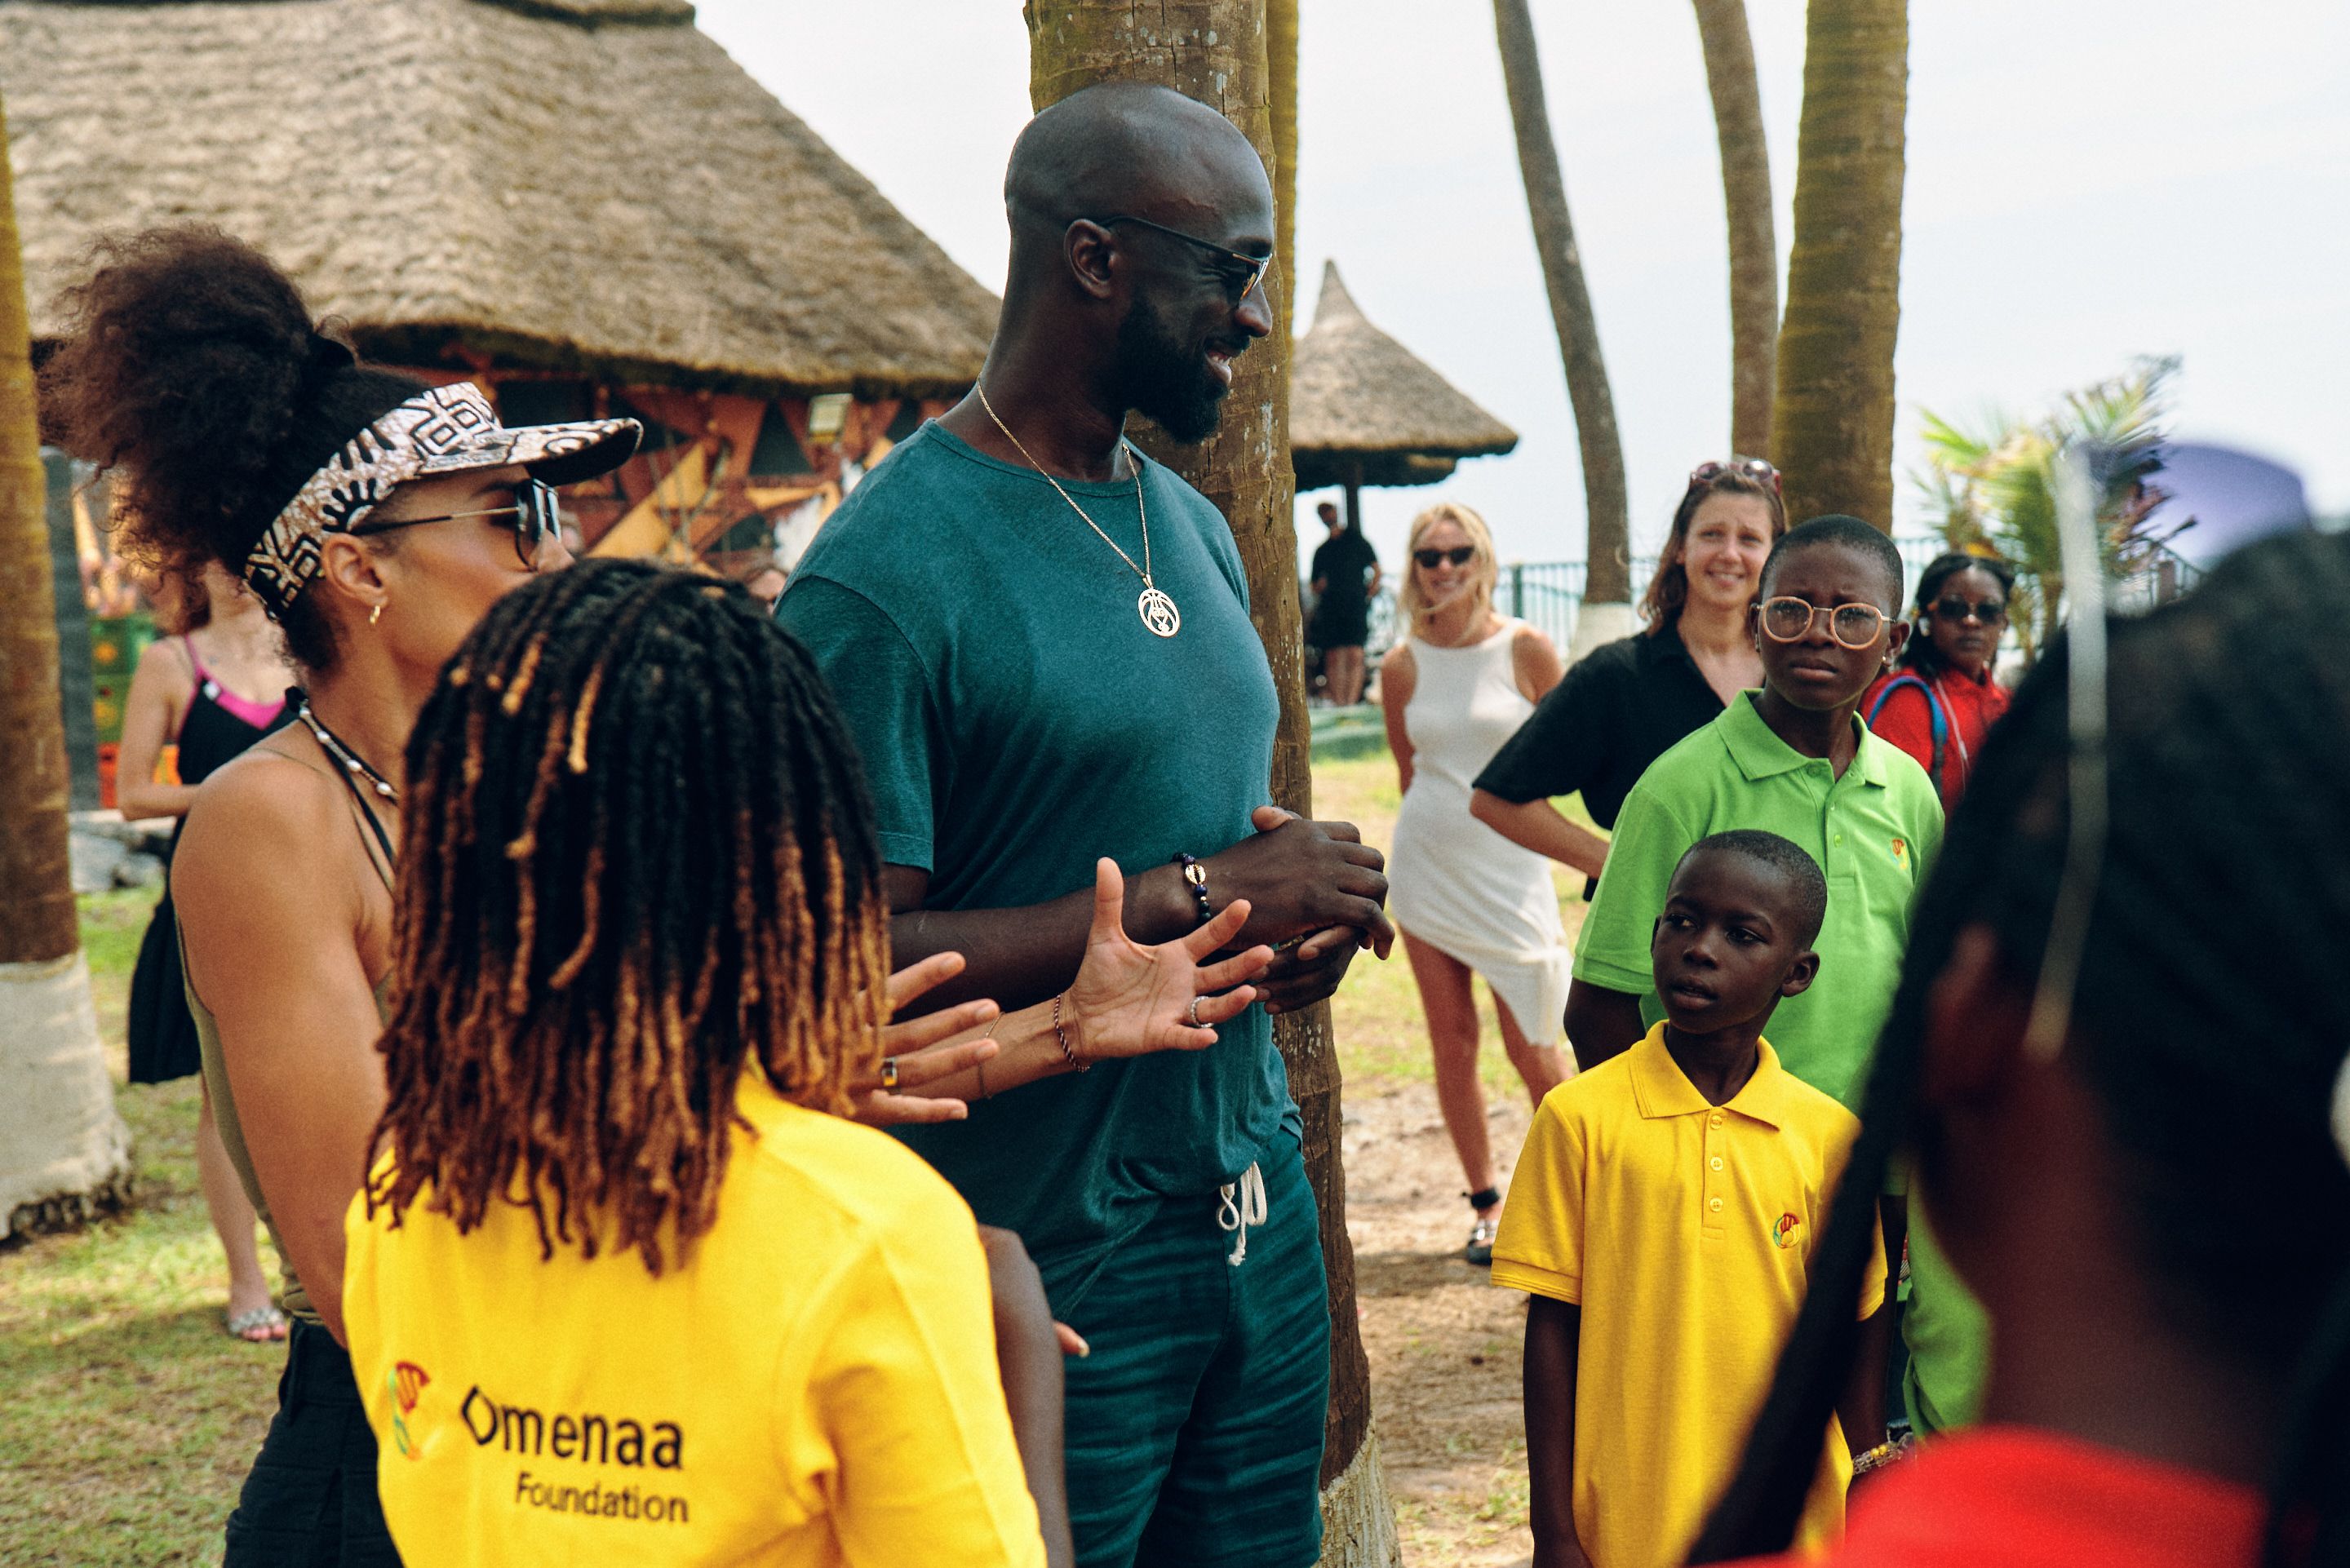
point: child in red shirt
(1939, 701)
(2142, 1172)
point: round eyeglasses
(1789, 619)
(535, 512)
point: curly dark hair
(639, 854)
(192, 368)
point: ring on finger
(888, 1071)
(1195, 1014)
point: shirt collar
(1760, 753)
(1661, 1089)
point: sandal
(1480, 1249)
(262, 1325)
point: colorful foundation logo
(1783, 1233)
(406, 1383)
(1901, 852)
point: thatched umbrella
(1364, 409)
(564, 185)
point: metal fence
(1548, 595)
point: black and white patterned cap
(444, 430)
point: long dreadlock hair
(2229, 783)
(639, 854)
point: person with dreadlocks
(2141, 1171)
(376, 519)
(617, 1288)
(1041, 640)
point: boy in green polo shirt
(1795, 759)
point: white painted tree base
(1597, 624)
(1359, 1527)
(64, 1152)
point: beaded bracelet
(1067, 1054)
(1196, 874)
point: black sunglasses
(1952, 608)
(1253, 270)
(535, 513)
(1459, 555)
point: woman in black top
(1625, 703)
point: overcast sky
(2088, 181)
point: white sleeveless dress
(1453, 882)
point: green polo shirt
(1874, 832)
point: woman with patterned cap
(378, 519)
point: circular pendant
(1159, 613)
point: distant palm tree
(1995, 488)
(1737, 92)
(1607, 546)
(64, 1151)
(1831, 428)
(1240, 58)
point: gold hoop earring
(376, 614)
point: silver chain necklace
(1158, 611)
(352, 762)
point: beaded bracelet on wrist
(1195, 876)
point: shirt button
(1714, 1120)
(1717, 1162)
(1715, 1204)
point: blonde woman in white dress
(1468, 901)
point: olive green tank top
(292, 1297)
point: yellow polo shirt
(1684, 1232)
(816, 1385)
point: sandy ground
(1443, 1343)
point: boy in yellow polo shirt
(1661, 1218)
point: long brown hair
(640, 858)
(1661, 606)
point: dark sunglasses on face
(1459, 555)
(1240, 278)
(1952, 608)
(1753, 468)
(535, 513)
(1788, 618)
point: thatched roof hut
(1365, 410)
(587, 185)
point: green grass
(128, 1417)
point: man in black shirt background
(1346, 578)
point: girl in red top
(2139, 1167)
(1937, 703)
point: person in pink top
(1940, 701)
(212, 691)
(2116, 1062)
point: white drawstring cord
(1241, 1204)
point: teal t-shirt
(1018, 720)
(1874, 832)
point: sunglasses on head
(1459, 555)
(535, 513)
(1752, 468)
(1952, 608)
(1788, 618)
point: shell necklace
(1158, 611)
(352, 762)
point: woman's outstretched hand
(1129, 1000)
(917, 1047)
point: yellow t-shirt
(1684, 1232)
(818, 1385)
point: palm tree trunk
(1607, 546)
(1746, 197)
(1832, 430)
(64, 1152)
(1239, 58)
